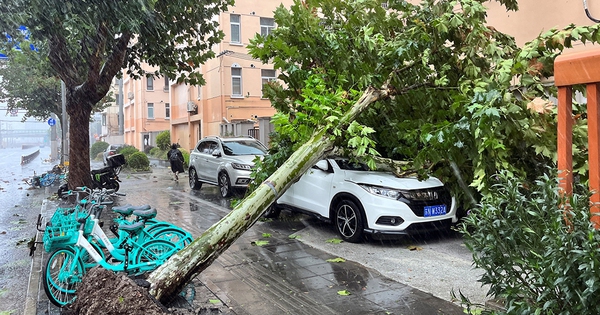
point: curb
(33, 288)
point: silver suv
(225, 162)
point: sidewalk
(284, 276)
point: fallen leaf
(413, 247)
(266, 235)
(336, 260)
(259, 243)
(334, 240)
(343, 292)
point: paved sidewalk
(284, 276)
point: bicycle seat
(128, 209)
(132, 227)
(145, 214)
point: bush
(98, 147)
(186, 158)
(163, 140)
(127, 151)
(138, 161)
(532, 258)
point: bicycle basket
(60, 236)
(115, 160)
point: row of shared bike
(77, 242)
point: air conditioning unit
(130, 95)
(191, 106)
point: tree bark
(170, 278)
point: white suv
(226, 162)
(358, 201)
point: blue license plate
(432, 211)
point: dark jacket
(177, 164)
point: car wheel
(272, 211)
(193, 179)
(349, 221)
(224, 185)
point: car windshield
(243, 147)
(352, 166)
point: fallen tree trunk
(170, 278)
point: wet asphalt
(284, 276)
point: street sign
(51, 121)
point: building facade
(231, 102)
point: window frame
(149, 84)
(265, 79)
(237, 24)
(167, 110)
(266, 29)
(238, 77)
(150, 110)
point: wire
(587, 12)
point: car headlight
(381, 191)
(239, 166)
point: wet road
(19, 209)
(434, 264)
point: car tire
(272, 211)
(193, 179)
(224, 184)
(349, 222)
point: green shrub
(163, 140)
(138, 161)
(531, 258)
(186, 158)
(98, 147)
(127, 151)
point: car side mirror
(216, 153)
(323, 165)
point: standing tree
(89, 42)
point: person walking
(176, 159)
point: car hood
(386, 179)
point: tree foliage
(469, 101)
(89, 42)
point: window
(150, 83)
(166, 87)
(267, 75)
(234, 19)
(236, 81)
(150, 110)
(167, 110)
(266, 26)
(199, 92)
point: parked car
(225, 162)
(110, 151)
(359, 201)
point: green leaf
(343, 292)
(336, 260)
(214, 301)
(334, 240)
(294, 236)
(266, 235)
(259, 243)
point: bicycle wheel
(47, 179)
(61, 276)
(154, 250)
(176, 236)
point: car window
(242, 147)
(206, 147)
(352, 166)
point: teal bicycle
(79, 244)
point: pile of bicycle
(76, 241)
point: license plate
(432, 211)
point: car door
(213, 160)
(313, 191)
(202, 160)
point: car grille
(417, 206)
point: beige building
(231, 102)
